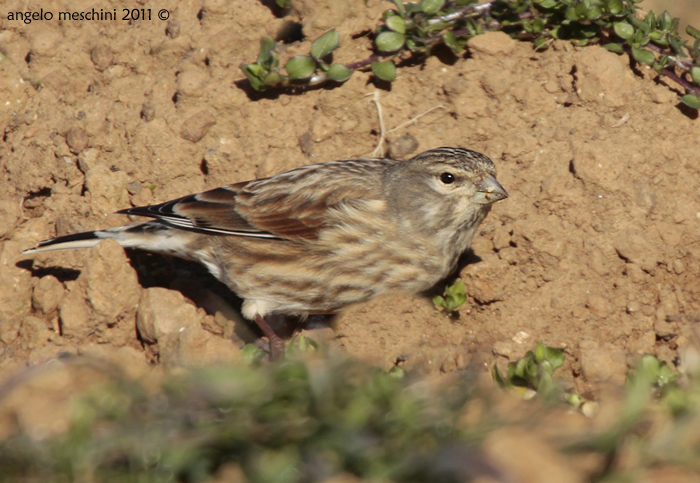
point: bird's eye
(447, 178)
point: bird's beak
(488, 190)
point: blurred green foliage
(301, 420)
(534, 371)
(315, 417)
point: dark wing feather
(211, 212)
(294, 205)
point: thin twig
(363, 63)
(466, 10)
(411, 121)
(382, 131)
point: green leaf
(695, 74)
(325, 44)
(339, 73)
(640, 24)
(677, 46)
(613, 47)
(390, 41)
(397, 372)
(643, 56)
(455, 302)
(400, 7)
(265, 57)
(591, 30)
(557, 31)
(520, 367)
(656, 35)
(273, 79)
(691, 100)
(412, 9)
(255, 74)
(693, 32)
(535, 371)
(498, 377)
(574, 400)
(455, 296)
(546, 3)
(594, 13)
(555, 357)
(300, 67)
(538, 25)
(650, 19)
(540, 43)
(665, 375)
(652, 372)
(431, 6)
(649, 366)
(396, 23)
(662, 41)
(615, 7)
(299, 345)
(251, 354)
(539, 352)
(623, 30)
(545, 385)
(665, 21)
(674, 24)
(456, 288)
(640, 39)
(451, 41)
(254, 70)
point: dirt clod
(197, 126)
(102, 56)
(77, 140)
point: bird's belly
(297, 279)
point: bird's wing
(294, 205)
(212, 212)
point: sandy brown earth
(597, 250)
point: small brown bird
(317, 238)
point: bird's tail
(68, 242)
(150, 236)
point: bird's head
(444, 189)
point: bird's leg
(276, 342)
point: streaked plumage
(317, 238)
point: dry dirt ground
(597, 250)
